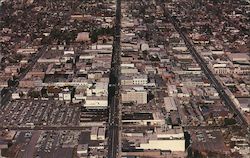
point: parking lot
(38, 113)
(208, 140)
(58, 144)
(45, 144)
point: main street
(209, 74)
(114, 90)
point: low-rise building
(135, 94)
(170, 104)
(165, 139)
(96, 102)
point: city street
(113, 131)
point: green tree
(229, 121)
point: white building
(102, 46)
(136, 94)
(82, 150)
(244, 104)
(65, 95)
(71, 52)
(101, 133)
(96, 102)
(140, 80)
(170, 104)
(134, 80)
(101, 89)
(164, 144)
(27, 51)
(172, 90)
(144, 46)
(15, 95)
(93, 134)
(129, 70)
(169, 139)
(131, 65)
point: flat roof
(138, 116)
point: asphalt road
(114, 89)
(208, 73)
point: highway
(30, 65)
(208, 72)
(114, 89)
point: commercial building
(170, 104)
(96, 102)
(136, 94)
(143, 118)
(164, 139)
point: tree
(229, 121)
(34, 94)
(56, 33)
(100, 32)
